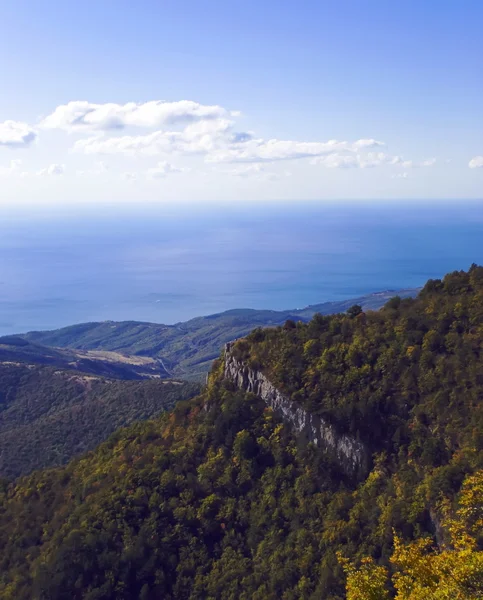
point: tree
(354, 310)
(421, 571)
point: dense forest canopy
(48, 415)
(219, 500)
(395, 377)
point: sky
(175, 101)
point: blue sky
(282, 100)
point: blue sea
(170, 263)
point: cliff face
(349, 453)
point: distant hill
(187, 349)
(14, 349)
(48, 415)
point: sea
(170, 262)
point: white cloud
(153, 143)
(82, 115)
(163, 169)
(363, 161)
(411, 164)
(217, 140)
(247, 171)
(476, 162)
(367, 161)
(377, 159)
(369, 143)
(15, 169)
(205, 130)
(197, 138)
(170, 131)
(259, 150)
(15, 134)
(253, 171)
(400, 176)
(160, 171)
(336, 161)
(244, 171)
(208, 137)
(52, 171)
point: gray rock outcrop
(349, 453)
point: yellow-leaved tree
(422, 572)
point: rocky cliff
(350, 454)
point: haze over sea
(168, 264)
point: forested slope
(220, 500)
(48, 415)
(396, 378)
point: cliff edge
(349, 453)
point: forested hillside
(48, 415)
(220, 500)
(187, 349)
(394, 378)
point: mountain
(187, 349)
(342, 458)
(48, 415)
(15, 349)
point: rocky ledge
(350, 454)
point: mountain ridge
(187, 349)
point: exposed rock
(349, 453)
(438, 527)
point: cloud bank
(14, 134)
(81, 115)
(183, 130)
